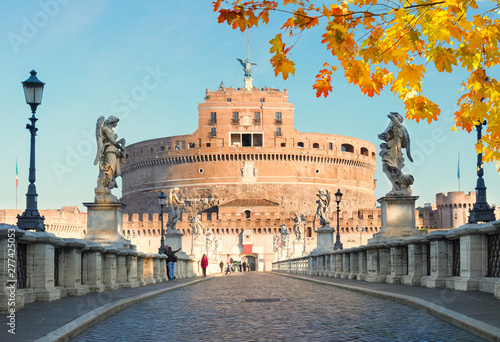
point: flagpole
(17, 182)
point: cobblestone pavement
(266, 307)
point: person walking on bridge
(229, 263)
(204, 264)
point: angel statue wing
(405, 143)
(328, 198)
(98, 136)
(241, 62)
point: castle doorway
(249, 259)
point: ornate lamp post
(31, 219)
(162, 200)
(338, 245)
(481, 212)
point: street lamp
(481, 212)
(338, 198)
(162, 200)
(30, 218)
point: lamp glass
(338, 196)
(33, 89)
(162, 199)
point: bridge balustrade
(44, 267)
(466, 258)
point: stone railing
(38, 266)
(466, 258)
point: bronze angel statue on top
(247, 66)
(396, 139)
(110, 156)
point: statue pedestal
(197, 251)
(298, 248)
(324, 238)
(104, 224)
(173, 238)
(398, 218)
(248, 83)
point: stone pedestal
(324, 238)
(173, 238)
(104, 225)
(398, 219)
(298, 248)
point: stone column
(140, 269)
(72, 268)
(163, 268)
(148, 269)
(377, 263)
(362, 272)
(94, 268)
(132, 269)
(472, 268)
(439, 260)
(156, 268)
(397, 262)
(121, 268)
(40, 263)
(109, 269)
(354, 263)
(415, 262)
(346, 264)
(338, 263)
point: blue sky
(150, 62)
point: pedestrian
(249, 266)
(204, 264)
(221, 265)
(244, 266)
(239, 266)
(229, 262)
(171, 260)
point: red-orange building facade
(247, 167)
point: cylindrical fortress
(246, 147)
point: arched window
(247, 214)
(364, 151)
(309, 232)
(315, 145)
(347, 148)
(300, 144)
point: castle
(247, 169)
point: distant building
(67, 222)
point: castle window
(278, 131)
(191, 145)
(330, 146)
(300, 144)
(283, 144)
(364, 151)
(315, 145)
(162, 148)
(208, 144)
(247, 214)
(228, 99)
(262, 100)
(213, 117)
(236, 117)
(278, 118)
(347, 148)
(213, 132)
(256, 118)
(309, 232)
